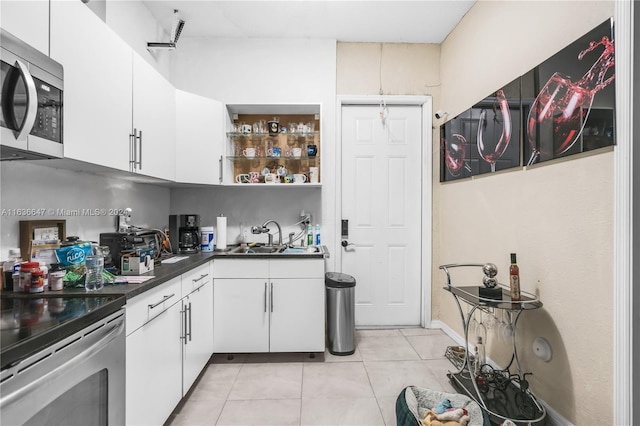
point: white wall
(251, 71)
(30, 185)
(136, 25)
(248, 206)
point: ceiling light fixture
(176, 30)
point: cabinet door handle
(132, 153)
(140, 150)
(164, 299)
(183, 324)
(271, 294)
(265, 297)
(220, 169)
(195, 280)
(135, 149)
(189, 310)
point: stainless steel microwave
(31, 102)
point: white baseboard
(553, 417)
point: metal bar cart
(502, 394)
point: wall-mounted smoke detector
(176, 30)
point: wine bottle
(481, 357)
(514, 278)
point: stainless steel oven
(31, 89)
(78, 380)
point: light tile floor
(293, 389)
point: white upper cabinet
(110, 91)
(199, 139)
(27, 20)
(97, 87)
(154, 112)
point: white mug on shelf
(299, 178)
(296, 152)
(249, 152)
(313, 175)
(271, 178)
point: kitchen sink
(256, 250)
(266, 249)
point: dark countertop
(31, 322)
(161, 273)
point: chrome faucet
(263, 229)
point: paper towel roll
(221, 235)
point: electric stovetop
(29, 323)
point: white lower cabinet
(197, 337)
(268, 305)
(240, 316)
(154, 355)
(169, 342)
(297, 315)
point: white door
(381, 199)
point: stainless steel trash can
(341, 323)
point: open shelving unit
(284, 164)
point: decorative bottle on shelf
(514, 278)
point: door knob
(346, 244)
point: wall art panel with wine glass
(455, 149)
(564, 106)
(574, 106)
(484, 138)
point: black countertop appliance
(184, 233)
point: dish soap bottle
(309, 235)
(514, 278)
(317, 235)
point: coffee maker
(184, 233)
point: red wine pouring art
(561, 108)
(492, 150)
(455, 153)
(455, 149)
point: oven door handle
(32, 103)
(57, 373)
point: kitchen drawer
(141, 309)
(196, 278)
(296, 268)
(241, 268)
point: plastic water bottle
(317, 235)
(93, 279)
